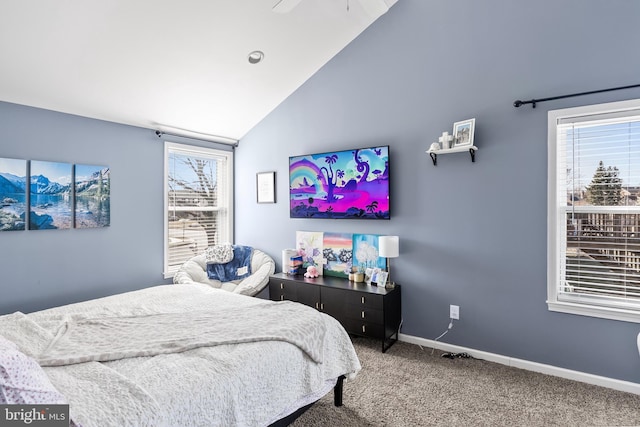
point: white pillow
(22, 380)
(219, 254)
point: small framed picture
(382, 278)
(266, 187)
(371, 276)
(463, 133)
(368, 274)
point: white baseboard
(612, 383)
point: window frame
(556, 220)
(195, 150)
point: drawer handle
(363, 314)
(364, 328)
(322, 306)
(281, 285)
(317, 306)
(363, 300)
(281, 297)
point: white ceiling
(178, 66)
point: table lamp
(389, 247)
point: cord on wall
(444, 333)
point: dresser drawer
(364, 313)
(366, 329)
(281, 290)
(363, 299)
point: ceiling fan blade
(374, 8)
(285, 6)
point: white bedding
(82, 339)
(248, 384)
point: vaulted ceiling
(177, 66)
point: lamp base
(389, 284)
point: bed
(185, 355)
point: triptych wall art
(336, 254)
(56, 195)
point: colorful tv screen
(340, 184)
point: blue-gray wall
(471, 234)
(44, 268)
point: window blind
(598, 195)
(198, 191)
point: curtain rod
(208, 138)
(518, 103)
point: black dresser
(363, 310)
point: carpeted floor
(409, 386)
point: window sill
(582, 309)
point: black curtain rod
(533, 102)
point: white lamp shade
(389, 246)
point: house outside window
(594, 211)
(198, 202)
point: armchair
(194, 270)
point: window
(198, 202)
(594, 211)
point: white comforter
(248, 384)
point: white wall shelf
(434, 153)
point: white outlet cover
(454, 312)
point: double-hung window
(594, 211)
(198, 202)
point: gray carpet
(408, 386)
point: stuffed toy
(312, 271)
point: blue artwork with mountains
(50, 195)
(12, 194)
(92, 196)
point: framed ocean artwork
(13, 194)
(92, 196)
(50, 195)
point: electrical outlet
(454, 312)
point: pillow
(237, 269)
(22, 380)
(219, 254)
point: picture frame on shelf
(463, 133)
(266, 187)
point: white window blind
(198, 202)
(594, 211)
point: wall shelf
(434, 153)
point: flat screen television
(340, 184)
